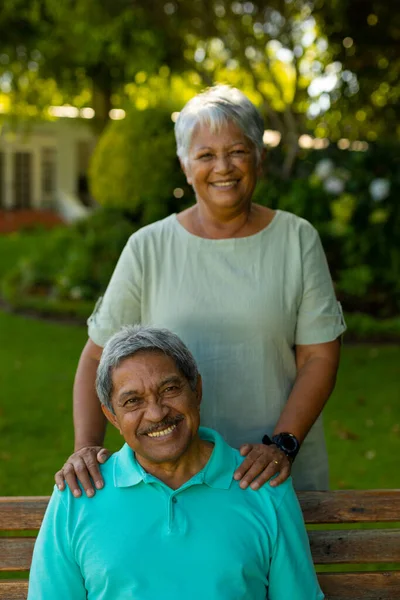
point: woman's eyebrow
(200, 148)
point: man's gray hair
(213, 108)
(135, 338)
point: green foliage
(134, 166)
(363, 327)
(352, 199)
(69, 267)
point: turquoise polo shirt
(139, 539)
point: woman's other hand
(262, 462)
(83, 465)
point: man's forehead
(145, 367)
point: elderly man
(171, 522)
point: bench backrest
(329, 546)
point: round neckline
(193, 236)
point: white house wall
(64, 136)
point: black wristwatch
(287, 442)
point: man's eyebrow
(122, 396)
(170, 379)
(163, 382)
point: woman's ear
(261, 163)
(185, 170)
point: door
(22, 180)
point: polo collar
(217, 473)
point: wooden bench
(329, 546)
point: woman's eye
(238, 152)
(206, 156)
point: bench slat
(327, 547)
(361, 586)
(350, 506)
(16, 553)
(13, 589)
(336, 586)
(22, 512)
(340, 506)
(355, 546)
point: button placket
(171, 513)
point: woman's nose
(223, 164)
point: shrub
(134, 166)
(70, 267)
(352, 199)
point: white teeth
(224, 183)
(163, 432)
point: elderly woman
(247, 289)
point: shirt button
(174, 500)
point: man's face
(156, 411)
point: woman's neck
(227, 224)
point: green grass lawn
(38, 362)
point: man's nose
(156, 411)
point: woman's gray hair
(213, 108)
(136, 338)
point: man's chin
(159, 450)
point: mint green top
(240, 305)
(207, 540)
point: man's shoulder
(274, 496)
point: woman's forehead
(225, 134)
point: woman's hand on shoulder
(261, 463)
(83, 465)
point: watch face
(288, 442)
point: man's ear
(185, 170)
(111, 417)
(199, 389)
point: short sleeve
(319, 318)
(54, 572)
(121, 303)
(292, 573)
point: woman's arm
(317, 366)
(90, 427)
(89, 421)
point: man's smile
(163, 432)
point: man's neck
(176, 473)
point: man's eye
(132, 401)
(170, 389)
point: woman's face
(222, 167)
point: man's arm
(54, 571)
(292, 573)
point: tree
(86, 50)
(364, 36)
